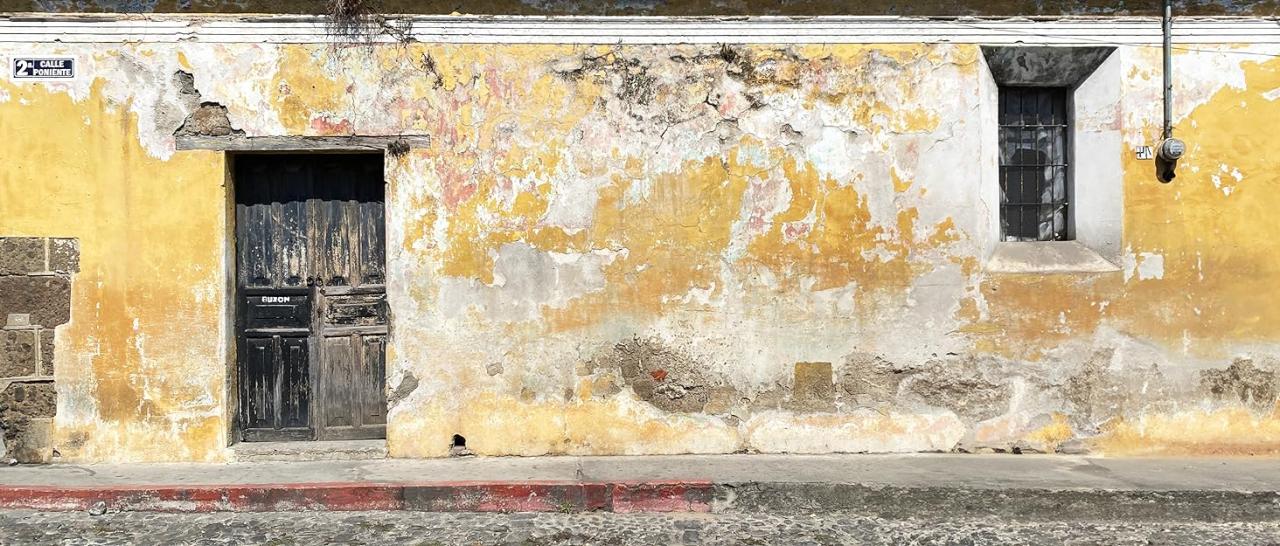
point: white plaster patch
(136, 77)
(932, 332)
(729, 98)
(1146, 265)
(1200, 76)
(757, 156)
(832, 152)
(246, 96)
(572, 204)
(838, 302)
(143, 80)
(1272, 94)
(956, 153)
(1151, 266)
(526, 279)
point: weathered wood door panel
(375, 361)
(275, 396)
(353, 329)
(312, 326)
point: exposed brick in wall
(35, 298)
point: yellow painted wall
(139, 369)
(589, 217)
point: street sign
(43, 68)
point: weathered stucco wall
(1052, 8)
(668, 249)
(139, 368)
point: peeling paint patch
(862, 432)
(1145, 265)
(1222, 432)
(666, 249)
(1243, 381)
(525, 280)
(403, 389)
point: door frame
(231, 324)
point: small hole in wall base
(458, 447)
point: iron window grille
(1034, 194)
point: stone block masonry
(35, 298)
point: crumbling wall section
(668, 249)
(35, 299)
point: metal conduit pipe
(1170, 149)
(1167, 27)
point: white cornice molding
(45, 28)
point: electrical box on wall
(1168, 153)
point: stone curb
(1021, 504)
(435, 497)
(889, 502)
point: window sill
(1047, 257)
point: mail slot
(293, 311)
(356, 310)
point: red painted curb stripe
(631, 496)
(663, 497)
(317, 485)
(514, 497)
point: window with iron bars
(1034, 192)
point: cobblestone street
(315, 528)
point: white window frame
(1095, 184)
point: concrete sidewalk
(1021, 486)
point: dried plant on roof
(362, 22)
(352, 19)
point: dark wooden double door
(311, 297)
